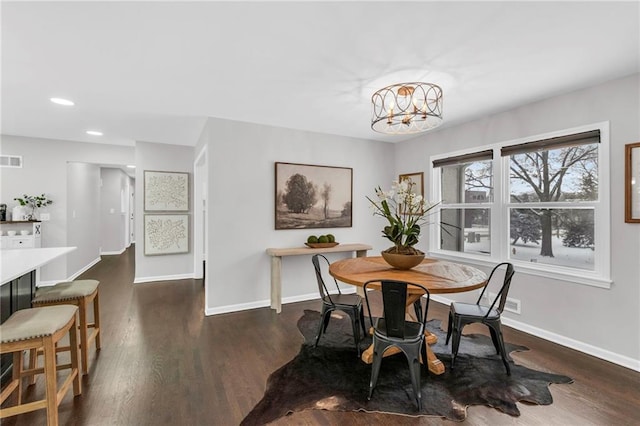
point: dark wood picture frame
(418, 179)
(305, 202)
(632, 183)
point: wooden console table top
(296, 251)
(276, 263)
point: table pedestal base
(435, 365)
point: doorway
(200, 220)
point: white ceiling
(153, 71)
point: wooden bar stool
(30, 329)
(79, 293)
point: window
(541, 203)
(467, 194)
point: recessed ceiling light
(61, 101)
(94, 133)
(131, 166)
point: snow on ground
(573, 257)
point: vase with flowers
(33, 203)
(406, 212)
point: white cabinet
(21, 234)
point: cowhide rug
(331, 377)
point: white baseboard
(86, 268)
(237, 308)
(258, 304)
(49, 283)
(622, 360)
(139, 280)
(595, 351)
(112, 253)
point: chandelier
(406, 108)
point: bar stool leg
(50, 381)
(33, 363)
(84, 346)
(73, 349)
(16, 373)
(96, 319)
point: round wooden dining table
(438, 276)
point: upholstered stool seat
(31, 329)
(80, 293)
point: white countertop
(15, 263)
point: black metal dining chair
(461, 314)
(350, 304)
(392, 329)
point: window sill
(562, 274)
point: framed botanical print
(166, 234)
(166, 191)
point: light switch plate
(45, 217)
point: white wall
(45, 171)
(241, 159)
(167, 158)
(83, 215)
(602, 321)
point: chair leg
(327, 317)
(494, 339)
(417, 307)
(502, 350)
(413, 357)
(455, 344)
(321, 325)
(364, 330)
(449, 328)
(355, 326)
(378, 350)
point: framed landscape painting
(166, 191)
(166, 234)
(418, 182)
(309, 196)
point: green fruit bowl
(321, 245)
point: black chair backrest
(501, 296)
(394, 302)
(322, 288)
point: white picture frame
(166, 234)
(166, 191)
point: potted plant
(406, 212)
(31, 202)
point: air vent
(11, 161)
(511, 305)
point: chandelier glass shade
(406, 108)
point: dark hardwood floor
(163, 362)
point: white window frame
(600, 276)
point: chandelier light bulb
(412, 108)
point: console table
(276, 264)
